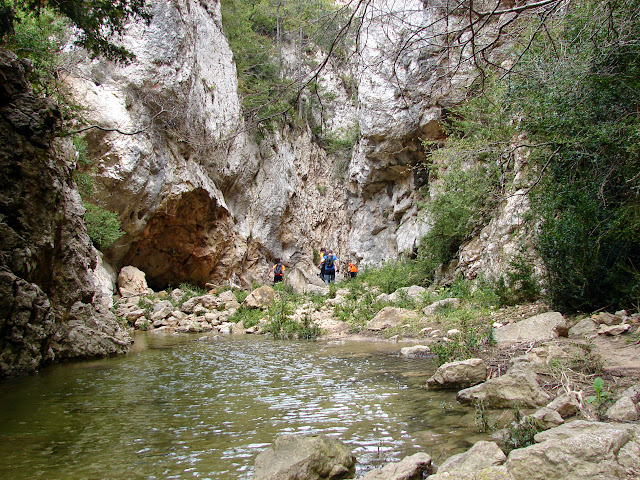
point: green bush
(103, 226)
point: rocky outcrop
(51, 303)
(299, 457)
(579, 450)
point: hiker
(278, 272)
(353, 270)
(329, 267)
(323, 252)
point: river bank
(539, 371)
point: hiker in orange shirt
(353, 270)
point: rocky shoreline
(542, 371)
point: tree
(97, 21)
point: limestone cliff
(50, 308)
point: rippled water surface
(181, 408)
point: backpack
(278, 270)
(328, 262)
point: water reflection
(182, 408)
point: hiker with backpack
(329, 267)
(278, 272)
(323, 252)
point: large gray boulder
(302, 457)
(261, 297)
(132, 282)
(413, 467)
(483, 454)
(624, 410)
(538, 328)
(519, 386)
(461, 374)
(579, 450)
(390, 317)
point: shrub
(103, 226)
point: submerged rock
(413, 467)
(300, 457)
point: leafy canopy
(96, 21)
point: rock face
(201, 201)
(297, 457)
(50, 299)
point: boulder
(261, 297)
(132, 281)
(483, 454)
(415, 351)
(413, 467)
(519, 386)
(606, 318)
(566, 405)
(432, 309)
(586, 328)
(490, 473)
(461, 374)
(578, 450)
(613, 330)
(547, 418)
(539, 328)
(228, 299)
(390, 317)
(414, 292)
(624, 410)
(301, 457)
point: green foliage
(39, 38)
(96, 21)
(190, 291)
(308, 330)
(393, 274)
(255, 30)
(588, 196)
(248, 316)
(520, 286)
(521, 432)
(481, 418)
(280, 326)
(103, 226)
(469, 191)
(600, 395)
(467, 344)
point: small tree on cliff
(96, 21)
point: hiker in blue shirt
(329, 266)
